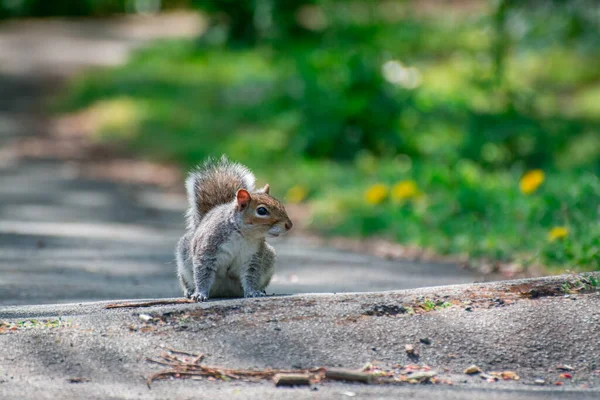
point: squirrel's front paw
(199, 297)
(255, 293)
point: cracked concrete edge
(519, 288)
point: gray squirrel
(223, 252)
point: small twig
(348, 375)
(171, 364)
(149, 303)
(187, 353)
(198, 359)
(292, 380)
(165, 374)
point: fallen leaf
(558, 383)
(472, 369)
(566, 376)
(367, 367)
(421, 376)
(510, 375)
(378, 372)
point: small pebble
(473, 369)
(565, 367)
(145, 317)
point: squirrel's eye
(262, 211)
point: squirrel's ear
(243, 198)
(266, 189)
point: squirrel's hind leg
(184, 266)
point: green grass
(582, 283)
(464, 140)
(6, 326)
(430, 305)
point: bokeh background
(465, 127)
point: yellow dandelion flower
(404, 190)
(296, 194)
(376, 193)
(558, 232)
(531, 181)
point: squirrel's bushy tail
(214, 183)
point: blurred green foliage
(42, 8)
(80, 8)
(330, 97)
(248, 22)
(486, 113)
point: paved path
(494, 325)
(65, 238)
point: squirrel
(224, 252)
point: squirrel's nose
(288, 225)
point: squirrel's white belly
(230, 258)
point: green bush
(341, 92)
(344, 117)
(248, 22)
(44, 8)
(80, 8)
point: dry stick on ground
(149, 303)
(348, 375)
(186, 353)
(183, 368)
(226, 373)
(292, 379)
